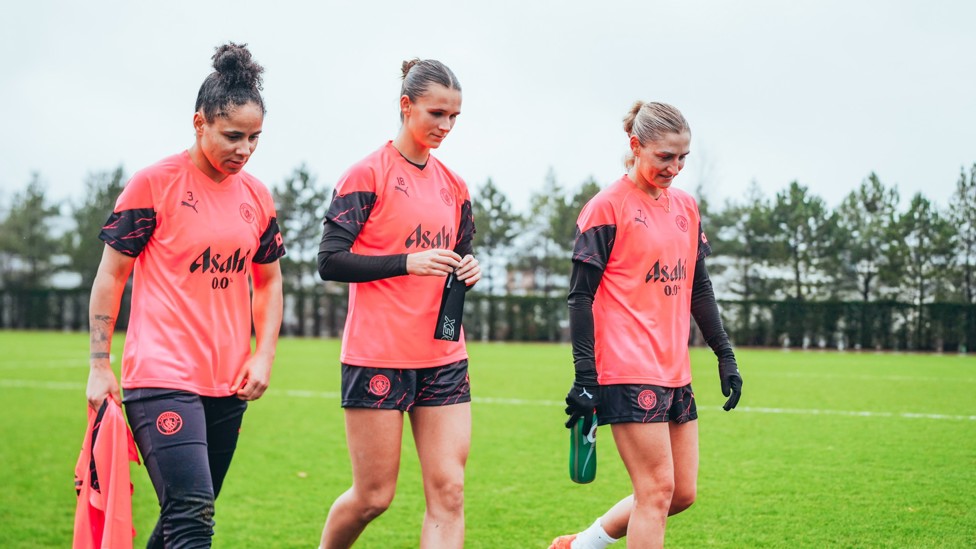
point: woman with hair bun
(638, 277)
(399, 223)
(200, 234)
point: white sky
(821, 91)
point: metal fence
(942, 327)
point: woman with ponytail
(638, 278)
(200, 234)
(398, 228)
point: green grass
(795, 466)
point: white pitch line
(297, 393)
(848, 413)
(59, 364)
(864, 377)
(517, 401)
(305, 394)
(34, 384)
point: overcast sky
(823, 92)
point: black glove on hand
(728, 372)
(581, 401)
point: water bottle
(582, 452)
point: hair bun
(632, 116)
(407, 65)
(236, 68)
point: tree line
(882, 271)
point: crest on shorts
(647, 399)
(169, 423)
(379, 385)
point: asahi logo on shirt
(667, 273)
(420, 238)
(209, 262)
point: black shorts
(402, 389)
(646, 404)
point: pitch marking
(295, 393)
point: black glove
(581, 401)
(728, 372)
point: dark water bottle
(451, 311)
(582, 452)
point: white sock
(594, 537)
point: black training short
(646, 404)
(402, 389)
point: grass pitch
(826, 449)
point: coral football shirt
(647, 249)
(393, 207)
(194, 241)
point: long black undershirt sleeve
(337, 263)
(584, 281)
(704, 309)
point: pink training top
(103, 512)
(194, 241)
(396, 208)
(642, 308)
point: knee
(447, 496)
(374, 503)
(188, 517)
(659, 496)
(681, 500)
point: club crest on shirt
(248, 213)
(446, 197)
(682, 223)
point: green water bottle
(582, 452)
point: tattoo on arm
(102, 327)
(100, 355)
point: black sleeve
(704, 309)
(271, 248)
(584, 281)
(128, 231)
(337, 263)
